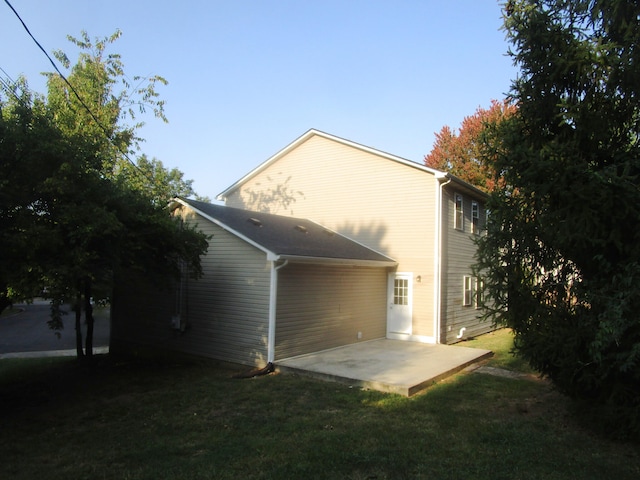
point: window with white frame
(472, 291)
(467, 291)
(458, 219)
(479, 292)
(401, 291)
(475, 217)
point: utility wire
(8, 83)
(77, 95)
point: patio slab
(393, 366)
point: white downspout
(273, 298)
(437, 308)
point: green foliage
(29, 147)
(151, 178)
(70, 218)
(562, 251)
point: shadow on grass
(152, 420)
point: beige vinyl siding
(384, 204)
(321, 307)
(224, 313)
(458, 258)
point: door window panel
(401, 291)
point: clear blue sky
(247, 77)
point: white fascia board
(269, 253)
(379, 153)
(223, 195)
(338, 261)
(310, 133)
(466, 185)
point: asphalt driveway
(24, 329)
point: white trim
(437, 283)
(307, 135)
(398, 336)
(467, 293)
(274, 257)
(273, 303)
(270, 255)
(423, 339)
(335, 261)
(411, 338)
(458, 225)
(475, 226)
(390, 294)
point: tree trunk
(78, 310)
(4, 300)
(88, 313)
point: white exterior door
(400, 298)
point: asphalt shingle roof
(288, 236)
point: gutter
(437, 293)
(273, 299)
(334, 261)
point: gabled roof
(288, 238)
(313, 132)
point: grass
(500, 342)
(135, 420)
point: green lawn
(192, 421)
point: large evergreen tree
(562, 251)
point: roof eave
(227, 228)
(447, 176)
(304, 137)
(335, 261)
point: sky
(248, 77)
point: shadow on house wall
(277, 197)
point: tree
(562, 252)
(461, 153)
(161, 184)
(29, 151)
(87, 220)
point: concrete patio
(393, 366)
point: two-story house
(326, 243)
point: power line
(77, 95)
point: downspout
(273, 298)
(437, 309)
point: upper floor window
(458, 219)
(475, 217)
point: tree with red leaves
(461, 153)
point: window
(401, 291)
(475, 217)
(479, 292)
(467, 297)
(458, 219)
(472, 291)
